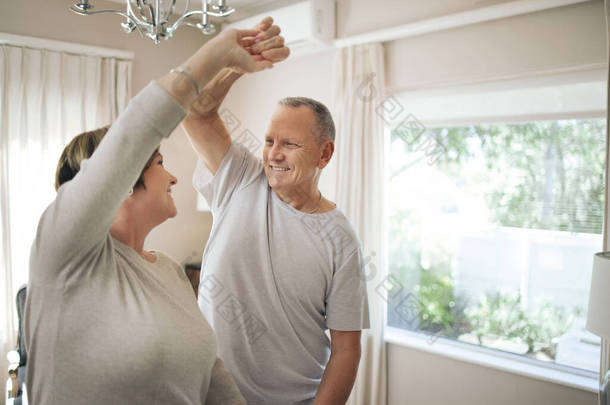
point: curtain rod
(61, 46)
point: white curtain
(46, 97)
(360, 155)
(605, 347)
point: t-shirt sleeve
(238, 168)
(347, 307)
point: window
(492, 231)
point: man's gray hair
(324, 121)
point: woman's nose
(173, 180)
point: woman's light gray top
(103, 325)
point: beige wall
(421, 378)
(414, 377)
(555, 40)
(360, 16)
(182, 237)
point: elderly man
(282, 264)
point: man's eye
(268, 141)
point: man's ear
(328, 148)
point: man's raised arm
(206, 131)
(204, 127)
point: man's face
(292, 156)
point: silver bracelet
(188, 76)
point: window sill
(580, 379)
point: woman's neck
(132, 233)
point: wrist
(206, 62)
(220, 50)
(207, 118)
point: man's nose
(276, 153)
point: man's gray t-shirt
(273, 280)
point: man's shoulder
(333, 228)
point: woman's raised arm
(82, 214)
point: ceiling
(243, 8)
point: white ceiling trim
(489, 13)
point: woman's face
(157, 192)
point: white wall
(185, 235)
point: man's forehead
(301, 111)
(291, 117)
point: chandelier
(151, 17)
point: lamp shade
(598, 315)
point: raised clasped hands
(258, 48)
(250, 51)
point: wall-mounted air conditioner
(307, 26)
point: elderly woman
(106, 321)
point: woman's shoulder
(169, 263)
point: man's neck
(304, 199)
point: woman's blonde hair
(81, 147)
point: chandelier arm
(139, 7)
(170, 12)
(157, 18)
(130, 18)
(204, 12)
(143, 6)
(188, 24)
(154, 14)
(141, 20)
(186, 7)
(180, 21)
(221, 14)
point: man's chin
(273, 183)
(276, 185)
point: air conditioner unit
(307, 26)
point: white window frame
(552, 372)
(496, 359)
